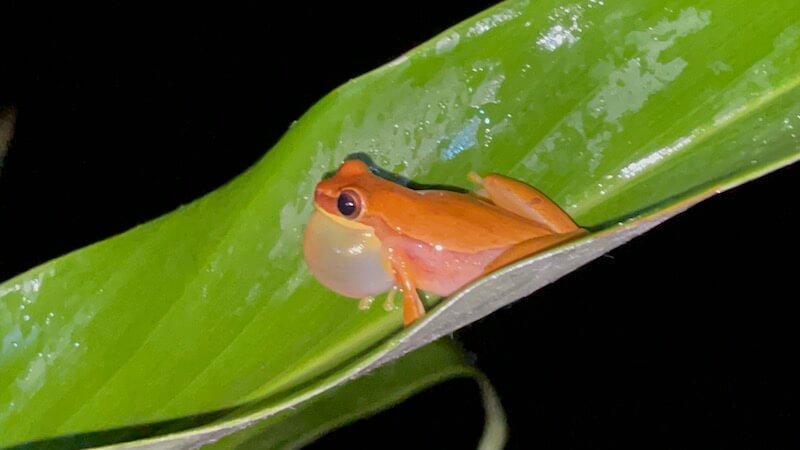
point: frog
(369, 235)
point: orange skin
(433, 240)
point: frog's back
(456, 221)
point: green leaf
(384, 387)
(622, 113)
(298, 419)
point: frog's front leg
(413, 308)
(524, 200)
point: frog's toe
(365, 303)
(473, 177)
(389, 305)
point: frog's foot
(474, 178)
(365, 303)
(389, 305)
(523, 200)
(530, 247)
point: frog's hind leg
(530, 247)
(523, 200)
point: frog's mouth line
(342, 221)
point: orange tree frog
(369, 235)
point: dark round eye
(349, 204)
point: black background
(686, 337)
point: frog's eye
(349, 204)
